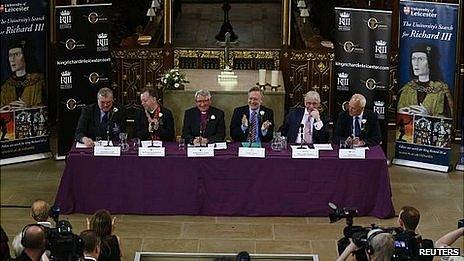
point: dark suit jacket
(215, 128)
(165, 130)
(89, 123)
(371, 134)
(235, 124)
(292, 122)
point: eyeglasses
(202, 101)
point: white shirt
(314, 125)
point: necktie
(253, 126)
(357, 127)
(308, 132)
(104, 120)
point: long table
(226, 184)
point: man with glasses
(358, 125)
(306, 125)
(252, 122)
(100, 119)
(204, 123)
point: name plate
(152, 152)
(305, 153)
(352, 153)
(198, 152)
(156, 143)
(218, 145)
(107, 151)
(247, 152)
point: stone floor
(257, 25)
(438, 196)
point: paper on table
(327, 146)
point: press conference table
(226, 185)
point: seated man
(307, 121)
(203, 124)
(101, 119)
(253, 121)
(154, 119)
(358, 125)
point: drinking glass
(181, 143)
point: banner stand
(421, 165)
(20, 159)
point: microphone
(301, 135)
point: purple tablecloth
(225, 185)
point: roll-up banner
(362, 60)
(83, 63)
(428, 36)
(23, 103)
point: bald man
(358, 124)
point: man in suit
(306, 124)
(91, 245)
(254, 121)
(358, 125)
(154, 121)
(203, 124)
(100, 119)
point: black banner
(23, 112)
(82, 63)
(362, 52)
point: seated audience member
(380, 247)
(4, 248)
(40, 212)
(154, 119)
(204, 123)
(448, 240)
(253, 121)
(358, 125)
(100, 119)
(34, 243)
(103, 225)
(91, 245)
(307, 120)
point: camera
(461, 223)
(407, 243)
(61, 242)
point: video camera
(407, 243)
(62, 243)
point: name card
(218, 145)
(147, 143)
(152, 152)
(198, 152)
(107, 151)
(323, 146)
(305, 153)
(352, 153)
(247, 152)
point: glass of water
(180, 143)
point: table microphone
(301, 135)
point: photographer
(34, 242)
(380, 247)
(449, 239)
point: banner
(428, 35)
(362, 60)
(23, 101)
(460, 164)
(83, 63)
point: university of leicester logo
(370, 84)
(71, 104)
(94, 78)
(406, 10)
(70, 44)
(93, 18)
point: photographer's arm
(347, 252)
(450, 238)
